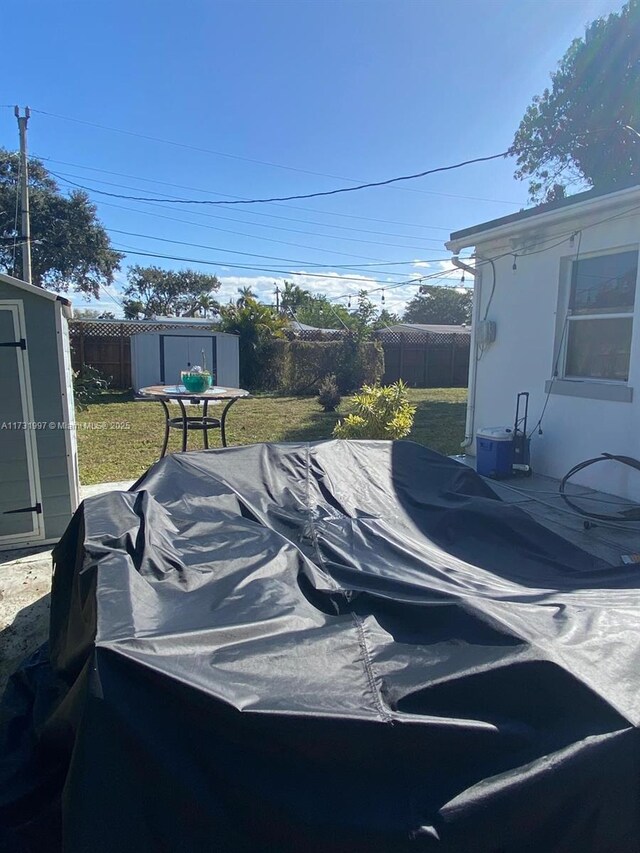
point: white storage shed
(158, 357)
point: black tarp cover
(339, 646)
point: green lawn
(107, 454)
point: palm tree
(246, 293)
(207, 305)
(292, 297)
(256, 325)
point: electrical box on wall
(486, 333)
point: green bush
(271, 361)
(328, 394)
(88, 384)
(256, 326)
(361, 363)
(352, 362)
(380, 412)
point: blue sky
(326, 92)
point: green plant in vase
(197, 379)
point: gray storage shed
(38, 459)
(158, 357)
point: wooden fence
(426, 359)
(421, 359)
(107, 346)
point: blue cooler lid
(496, 433)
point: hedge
(298, 367)
(271, 364)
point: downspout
(473, 357)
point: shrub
(328, 395)
(361, 363)
(354, 363)
(88, 383)
(380, 412)
(256, 325)
(271, 363)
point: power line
(61, 177)
(288, 206)
(278, 271)
(200, 149)
(268, 163)
(111, 296)
(310, 263)
(418, 280)
(253, 236)
(269, 257)
(362, 282)
(217, 263)
(242, 234)
(321, 194)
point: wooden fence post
(453, 362)
(122, 383)
(426, 361)
(81, 347)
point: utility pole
(277, 299)
(24, 194)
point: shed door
(20, 510)
(179, 352)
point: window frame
(569, 318)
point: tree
(246, 293)
(154, 292)
(440, 305)
(319, 312)
(385, 318)
(292, 296)
(92, 314)
(255, 324)
(69, 246)
(585, 127)
(364, 316)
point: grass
(107, 454)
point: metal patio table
(166, 393)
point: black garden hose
(631, 514)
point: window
(600, 317)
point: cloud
(422, 264)
(335, 286)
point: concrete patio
(25, 576)
(25, 586)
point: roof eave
(33, 288)
(472, 237)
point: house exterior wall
(529, 308)
(46, 390)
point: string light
(382, 297)
(515, 265)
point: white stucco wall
(529, 312)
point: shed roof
(37, 291)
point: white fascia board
(627, 200)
